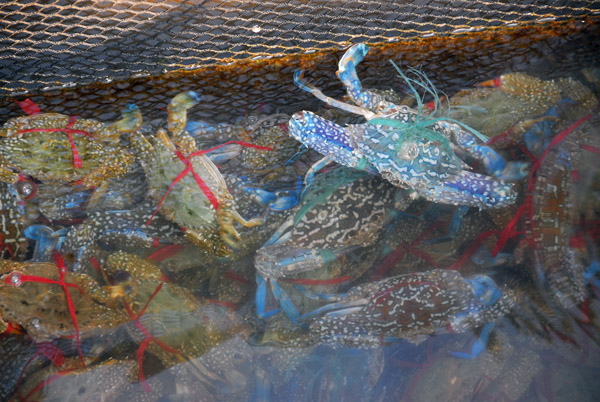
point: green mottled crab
(59, 149)
(33, 297)
(187, 185)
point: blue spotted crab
(562, 251)
(339, 219)
(13, 242)
(409, 151)
(410, 305)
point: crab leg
(298, 74)
(283, 260)
(279, 200)
(329, 139)
(472, 189)
(494, 162)
(479, 345)
(367, 100)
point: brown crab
(49, 302)
(187, 185)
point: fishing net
(146, 51)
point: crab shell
(42, 308)
(208, 222)
(186, 203)
(13, 244)
(47, 153)
(424, 156)
(171, 314)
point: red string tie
(186, 160)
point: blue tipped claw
(279, 200)
(479, 345)
(347, 65)
(590, 274)
(47, 240)
(485, 290)
(225, 153)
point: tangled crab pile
(281, 255)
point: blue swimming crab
(403, 146)
(186, 184)
(13, 242)
(410, 305)
(341, 217)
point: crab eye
(298, 116)
(26, 189)
(120, 276)
(408, 151)
(404, 109)
(15, 280)
(252, 119)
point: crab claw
(485, 289)
(347, 66)
(472, 189)
(339, 309)
(298, 76)
(47, 240)
(131, 120)
(479, 345)
(287, 305)
(283, 260)
(226, 216)
(177, 116)
(497, 166)
(224, 154)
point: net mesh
(51, 46)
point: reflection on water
(178, 258)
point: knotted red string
(76, 159)
(62, 269)
(527, 206)
(149, 338)
(165, 252)
(189, 168)
(28, 106)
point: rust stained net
(52, 46)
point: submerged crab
(58, 149)
(50, 302)
(187, 185)
(167, 320)
(406, 149)
(409, 305)
(341, 215)
(13, 243)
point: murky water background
(207, 341)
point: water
(192, 330)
